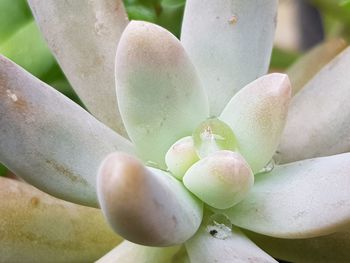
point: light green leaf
(159, 94)
(220, 180)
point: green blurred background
(311, 21)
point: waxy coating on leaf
(236, 247)
(302, 71)
(322, 109)
(256, 115)
(36, 227)
(83, 35)
(181, 155)
(220, 180)
(304, 199)
(50, 141)
(230, 43)
(160, 96)
(146, 205)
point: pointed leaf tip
(256, 115)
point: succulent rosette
(190, 150)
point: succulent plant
(192, 159)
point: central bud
(210, 166)
(213, 135)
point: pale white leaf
(145, 205)
(50, 141)
(235, 247)
(83, 35)
(230, 43)
(318, 122)
(304, 199)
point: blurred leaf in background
(167, 13)
(171, 15)
(3, 170)
(282, 59)
(336, 16)
(346, 4)
(13, 15)
(26, 47)
(141, 10)
(173, 3)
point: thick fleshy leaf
(181, 156)
(50, 141)
(308, 65)
(83, 35)
(230, 43)
(235, 247)
(128, 252)
(318, 122)
(145, 205)
(299, 200)
(160, 97)
(325, 249)
(220, 180)
(256, 115)
(36, 227)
